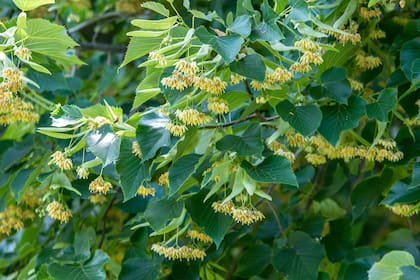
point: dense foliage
(209, 139)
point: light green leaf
(36, 66)
(29, 5)
(156, 7)
(147, 34)
(372, 2)
(388, 268)
(50, 40)
(139, 47)
(160, 24)
(104, 144)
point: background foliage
(214, 140)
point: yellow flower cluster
(355, 85)
(217, 105)
(180, 253)
(295, 139)
(307, 45)
(160, 58)
(279, 75)
(135, 149)
(164, 179)
(176, 129)
(59, 212)
(99, 185)
(98, 122)
(377, 34)
(262, 98)
(97, 199)
(23, 53)
(404, 210)
(315, 159)
(192, 116)
(200, 236)
(350, 34)
(241, 215)
(143, 191)
(236, 79)
(368, 14)
(311, 55)
(300, 67)
(186, 67)
(12, 218)
(367, 62)
(32, 197)
(13, 79)
(61, 161)
(82, 172)
(281, 150)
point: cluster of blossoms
(99, 185)
(164, 179)
(404, 210)
(186, 117)
(12, 108)
(143, 191)
(12, 218)
(240, 215)
(348, 35)
(135, 149)
(98, 122)
(281, 150)
(367, 14)
(23, 53)
(355, 85)
(199, 236)
(59, 211)
(61, 161)
(311, 55)
(367, 62)
(179, 253)
(318, 149)
(279, 75)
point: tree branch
(104, 218)
(94, 20)
(102, 47)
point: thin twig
(94, 20)
(104, 218)
(102, 47)
(276, 216)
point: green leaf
(305, 119)
(241, 26)
(249, 143)
(91, 270)
(389, 266)
(83, 241)
(104, 144)
(133, 172)
(152, 134)
(328, 208)
(386, 101)
(338, 243)
(251, 66)
(140, 268)
(335, 84)
(268, 29)
(410, 51)
(301, 260)
(415, 180)
(36, 66)
(156, 7)
(29, 5)
(181, 170)
(339, 117)
(200, 15)
(50, 40)
(372, 2)
(254, 260)
(274, 169)
(66, 115)
(160, 24)
(160, 211)
(216, 225)
(139, 47)
(147, 33)
(148, 87)
(20, 181)
(410, 272)
(227, 46)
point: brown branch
(276, 216)
(94, 20)
(102, 47)
(104, 218)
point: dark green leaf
(254, 260)
(133, 172)
(83, 241)
(338, 117)
(410, 272)
(301, 260)
(227, 46)
(268, 29)
(161, 211)
(335, 84)
(216, 225)
(251, 66)
(249, 143)
(305, 119)
(338, 242)
(140, 268)
(241, 25)
(152, 134)
(274, 169)
(386, 101)
(410, 51)
(181, 170)
(104, 144)
(20, 181)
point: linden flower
(143, 191)
(23, 53)
(367, 14)
(159, 57)
(307, 45)
(82, 172)
(404, 210)
(310, 57)
(247, 216)
(12, 218)
(164, 179)
(181, 253)
(316, 159)
(225, 208)
(98, 122)
(99, 186)
(355, 85)
(236, 79)
(59, 212)
(282, 75)
(295, 139)
(200, 236)
(300, 67)
(217, 105)
(176, 129)
(367, 62)
(192, 117)
(61, 161)
(135, 149)
(187, 67)
(215, 86)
